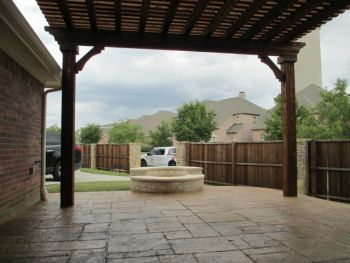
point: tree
(54, 129)
(162, 135)
(125, 132)
(332, 119)
(91, 133)
(194, 122)
(274, 123)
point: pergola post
(289, 125)
(68, 125)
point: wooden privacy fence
(253, 163)
(85, 155)
(329, 169)
(107, 156)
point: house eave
(19, 41)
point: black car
(53, 156)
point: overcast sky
(128, 83)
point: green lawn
(98, 171)
(94, 186)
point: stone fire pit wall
(166, 179)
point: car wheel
(143, 163)
(57, 172)
(172, 163)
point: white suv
(159, 156)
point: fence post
(302, 166)
(181, 153)
(233, 163)
(313, 164)
(188, 154)
(134, 155)
(93, 156)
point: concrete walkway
(87, 177)
(218, 224)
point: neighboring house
(235, 118)
(26, 69)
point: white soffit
(19, 41)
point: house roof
(233, 26)
(310, 96)
(19, 41)
(150, 122)
(224, 109)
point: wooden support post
(289, 126)
(68, 119)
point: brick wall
(20, 138)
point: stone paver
(219, 224)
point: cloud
(128, 83)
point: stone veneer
(166, 179)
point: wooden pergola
(263, 28)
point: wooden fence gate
(329, 169)
(254, 163)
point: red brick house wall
(20, 138)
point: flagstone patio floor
(219, 224)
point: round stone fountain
(166, 179)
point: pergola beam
(63, 6)
(170, 15)
(279, 8)
(290, 20)
(144, 15)
(117, 15)
(220, 16)
(314, 21)
(254, 6)
(92, 14)
(173, 42)
(197, 12)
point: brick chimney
(242, 94)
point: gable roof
(150, 122)
(310, 96)
(224, 109)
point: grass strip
(105, 172)
(94, 186)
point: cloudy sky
(128, 83)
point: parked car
(159, 156)
(53, 156)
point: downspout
(43, 191)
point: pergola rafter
(263, 28)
